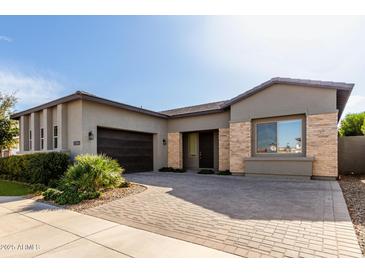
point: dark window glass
(42, 133)
(55, 142)
(290, 136)
(266, 137)
(55, 131)
(284, 136)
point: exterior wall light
(91, 135)
(164, 142)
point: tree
(8, 128)
(353, 124)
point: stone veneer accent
(322, 143)
(174, 150)
(223, 149)
(240, 145)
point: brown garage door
(133, 150)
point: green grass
(12, 188)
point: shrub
(171, 169)
(352, 124)
(206, 171)
(51, 194)
(38, 187)
(166, 169)
(37, 168)
(224, 172)
(94, 172)
(45, 167)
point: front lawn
(12, 188)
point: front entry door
(206, 149)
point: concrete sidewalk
(33, 229)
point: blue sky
(162, 62)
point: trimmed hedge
(36, 168)
(206, 171)
(171, 169)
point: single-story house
(282, 127)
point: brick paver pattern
(250, 217)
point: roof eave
(205, 112)
(87, 97)
(288, 81)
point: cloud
(31, 89)
(256, 48)
(355, 104)
(6, 39)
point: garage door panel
(133, 150)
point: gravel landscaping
(353, 188)
(106, 197)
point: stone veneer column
(174, 150)
(223, 149)
(240, 146)
(322, 143)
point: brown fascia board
(80, 95)
(68, 98)
(197, 113)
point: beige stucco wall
(202, 122)
(239, 146)
(322, 140)
(96, 114)
(279, 100)
(74, 126)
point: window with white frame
(42, 138)
(55, 137)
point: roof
(88, 97)
(343, 93)
(343, 90)
(291, 81)
(203, 108)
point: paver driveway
(32, 229)
(250, 217)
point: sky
(163, 62)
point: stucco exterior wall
(351, 155)
(96, 114)
(239, 146)
(74, 127)
(202, 122)
(280, 100)
(322, 143)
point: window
(279, 137)
(42, 138)
(193, 144)
(30, 140)
(55, 137)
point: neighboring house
(281, 127)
